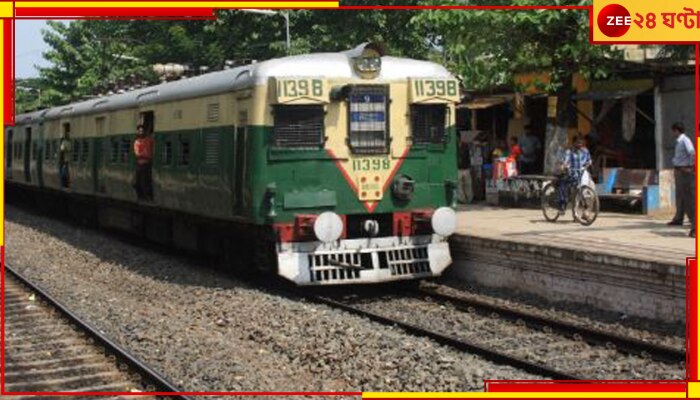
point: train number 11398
(433, 87)
(366, 164)
(300, 88)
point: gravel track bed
(667, 334)
(551, 349)
(31, 353)
(206, 331)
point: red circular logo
(614, 20)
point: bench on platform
(630, 189)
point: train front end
(360, 176)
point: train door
(27, 153)
(9, 153)
(64, 156)
(97, 154)
(40, 149)
(239, 165)
(144, 173)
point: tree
(86, 58)
(337, 30)
(487, 47)
(93, 56)
(27, 92)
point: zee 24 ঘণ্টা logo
(650, 21)
(614, 20)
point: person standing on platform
(515, 150)
(684, 174)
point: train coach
(328, 168)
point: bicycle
(584, 207)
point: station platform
(630, 264)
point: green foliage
(86, 57)
(27, 93)
(484, 47)
(91, 56)
(488, 47)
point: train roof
(327, 65)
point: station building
(625, 118)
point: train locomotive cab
(365, 152)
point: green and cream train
(329, 168)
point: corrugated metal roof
(483, 102)
(327, 65)
(607, 94)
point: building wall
(675, 101)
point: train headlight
(328, 227)
(368, 64)
(444, 221)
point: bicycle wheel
(550, 207)
(586, 206)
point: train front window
(368, 106)
(298, 127)
(428, 123)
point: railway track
(562, 351)
(592, 336)
(451, 341)
(50, 349)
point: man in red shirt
(143, 151)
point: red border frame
(207, 13)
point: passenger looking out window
(64, 154)
(143, 152)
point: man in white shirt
(684, 174)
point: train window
(167, 153)
(124, 147)
(35, 151)
(428, 123)
(212, 112)
(84, 151)
(76, 150)
(147, 119)
(298, 127)
(211, 148)
(114, 151)
(47, 150)
(100, 126)
(368, 106)
(177, 114)
(184, 151)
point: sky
(28, 48)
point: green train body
(342, 159)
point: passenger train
(327, 168)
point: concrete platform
(625, 263)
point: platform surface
(635, 237)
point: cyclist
(573, 163)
